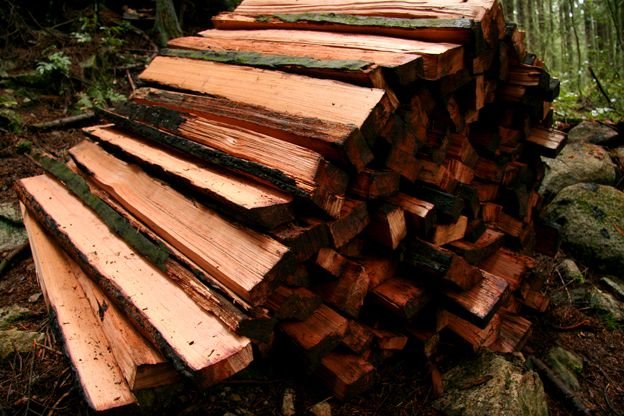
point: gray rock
(288, 403)
(9, 212)
(492, 385)
(11, 314)
(592, 224)
(11, 236)
(592, 132)
(617, 155)
(566, 365)
(570, 271)
(577, 163)
(615, 285)
(321, 409)
(605, 303)
(13, 340)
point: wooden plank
(245, 261)
(249, 200)
(389, 340)
(442, 21)
(480, 303)
(142, 365)
(388, 226)
(379, 268)
(439, 59)
(346, 375)
(179, 269)
(358, 337)
(348, 291)
(374, 184)
(448, 207)
(341, 143)
(479, 250)
(358, 66)
(514, 333)
(101, 378)
(331, 262)
(401, 297)
(459, 148)
(475, 336)
(293, 303)
(366, 108)
(287, 166)
(420, 215)
(512, 267)
(447, 233)
(304, 237)
(317, 335)
(195, 340)
(548, 142)
(440, 263)
(436, 175)
(352, 220)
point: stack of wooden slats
(336, 178)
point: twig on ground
(572, 327)
(130, 80)
(64, 122)
(30, 380)
(559, 385)
(605, 393)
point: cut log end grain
(401, 297)
(317, 335)
(346, 375)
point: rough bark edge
(155, 253)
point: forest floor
(43, 383)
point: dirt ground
(43, 383)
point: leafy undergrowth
(88, 61)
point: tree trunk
(579, 59)
(167, 24)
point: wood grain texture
(101, 378)
(340, 143)
(439, 59)
(197, 342)
(245, 261)
(256, 202)
(365, 108)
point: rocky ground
(580, 337)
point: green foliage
(11, 120)
(99, 95)
(57, 63)
(23, 146)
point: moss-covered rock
(577, 163)
(592, 224)
(566, 365)
(12, 232)
(14, 340)
(592, 132)
(492, 385)
(13, 313)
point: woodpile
(339, 180)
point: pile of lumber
(338, 181)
